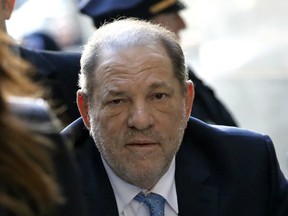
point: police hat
(106, 10)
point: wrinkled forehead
(132, 58)
(134, 69)
(128, 52)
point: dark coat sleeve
(207, 107)
(57, 72)
(240, 166)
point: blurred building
(241, 48)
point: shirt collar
(125, 192)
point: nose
(140, 116)
(180, 22)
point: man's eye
(159, 96)
(116, 101)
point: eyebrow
(113, 92)
(153, 86)
(160, 85)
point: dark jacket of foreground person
(39, 120)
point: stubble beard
(127, 168)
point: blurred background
(238, 47)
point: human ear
(82, 103)
(189, 97)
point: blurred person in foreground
(56, 71)
(207, 106)
(135, 99)
(37, 171)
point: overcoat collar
(192, 172)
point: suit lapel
(97, 187)
(196, 199)
(192, 171)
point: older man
(146, 155)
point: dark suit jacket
(220, 171)
(57, 72)
(39, 119)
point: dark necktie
(155, 202)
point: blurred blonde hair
(27, 185)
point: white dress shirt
(125, 193)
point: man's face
(138, 113)
(172, 21)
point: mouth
(142, 143)
(143, 150)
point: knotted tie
(155, 202)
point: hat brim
(137, 12)
(173, 8)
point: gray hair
(125, 33)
